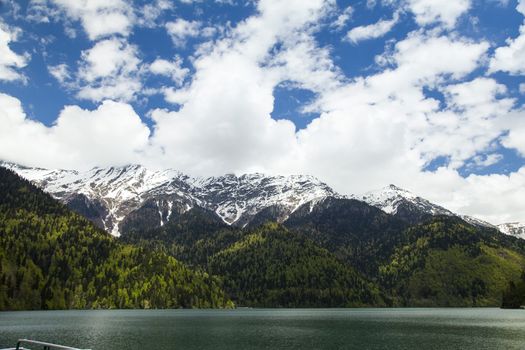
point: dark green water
(271, 329)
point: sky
(425, 94)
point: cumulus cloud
(496, 198)
(172, 69)
(10, 61)
(515, 124)
(511, 58)
(429, 12)
(233, 130)
(372, 31)
(180, 30)
(60, 72)
(487, 160)
(112, 134)
(152, 11)
(343, 18)
(99, 18)
(109, 70)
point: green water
(271, 329)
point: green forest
(343, 253)
(51, 258)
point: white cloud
(150, 12)
(372, 31)
(99, 18)
(495, 198)
(180, 30)
(343, 18)
(510, 58)
(521, 7)
(109, 70)
(429, 12)
(110, 135)
(515, 123)
(10, 62)
(487, 160)
(172, 69)
(60, 72)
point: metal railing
(47, 346)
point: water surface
(271, 329)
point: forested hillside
(51, 258)
(340, 253)
(447, 262)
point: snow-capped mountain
(516, 229)
(112, 196)
(391, 198)
(132, 196)
(410, 207)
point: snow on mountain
(237, 199)
(516, 229)
(109, 195)
(391, 197)
(397, 201)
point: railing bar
(47, 346)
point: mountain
(344, 252)
(134, 197)
(397, 201)
(410, 207)
(268, 266)
(329, 251)
(516, 229)
(52, 258)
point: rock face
(120, 198)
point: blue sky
(422, 93)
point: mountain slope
(51, 258)
(134, 196)
(443, 261)
(267, 266)
(357, 233)
(448, 262)
(273, 267)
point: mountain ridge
(116, 198)
(114, 193)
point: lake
(271, 329)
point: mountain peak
(396, 188)
(516, 229)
